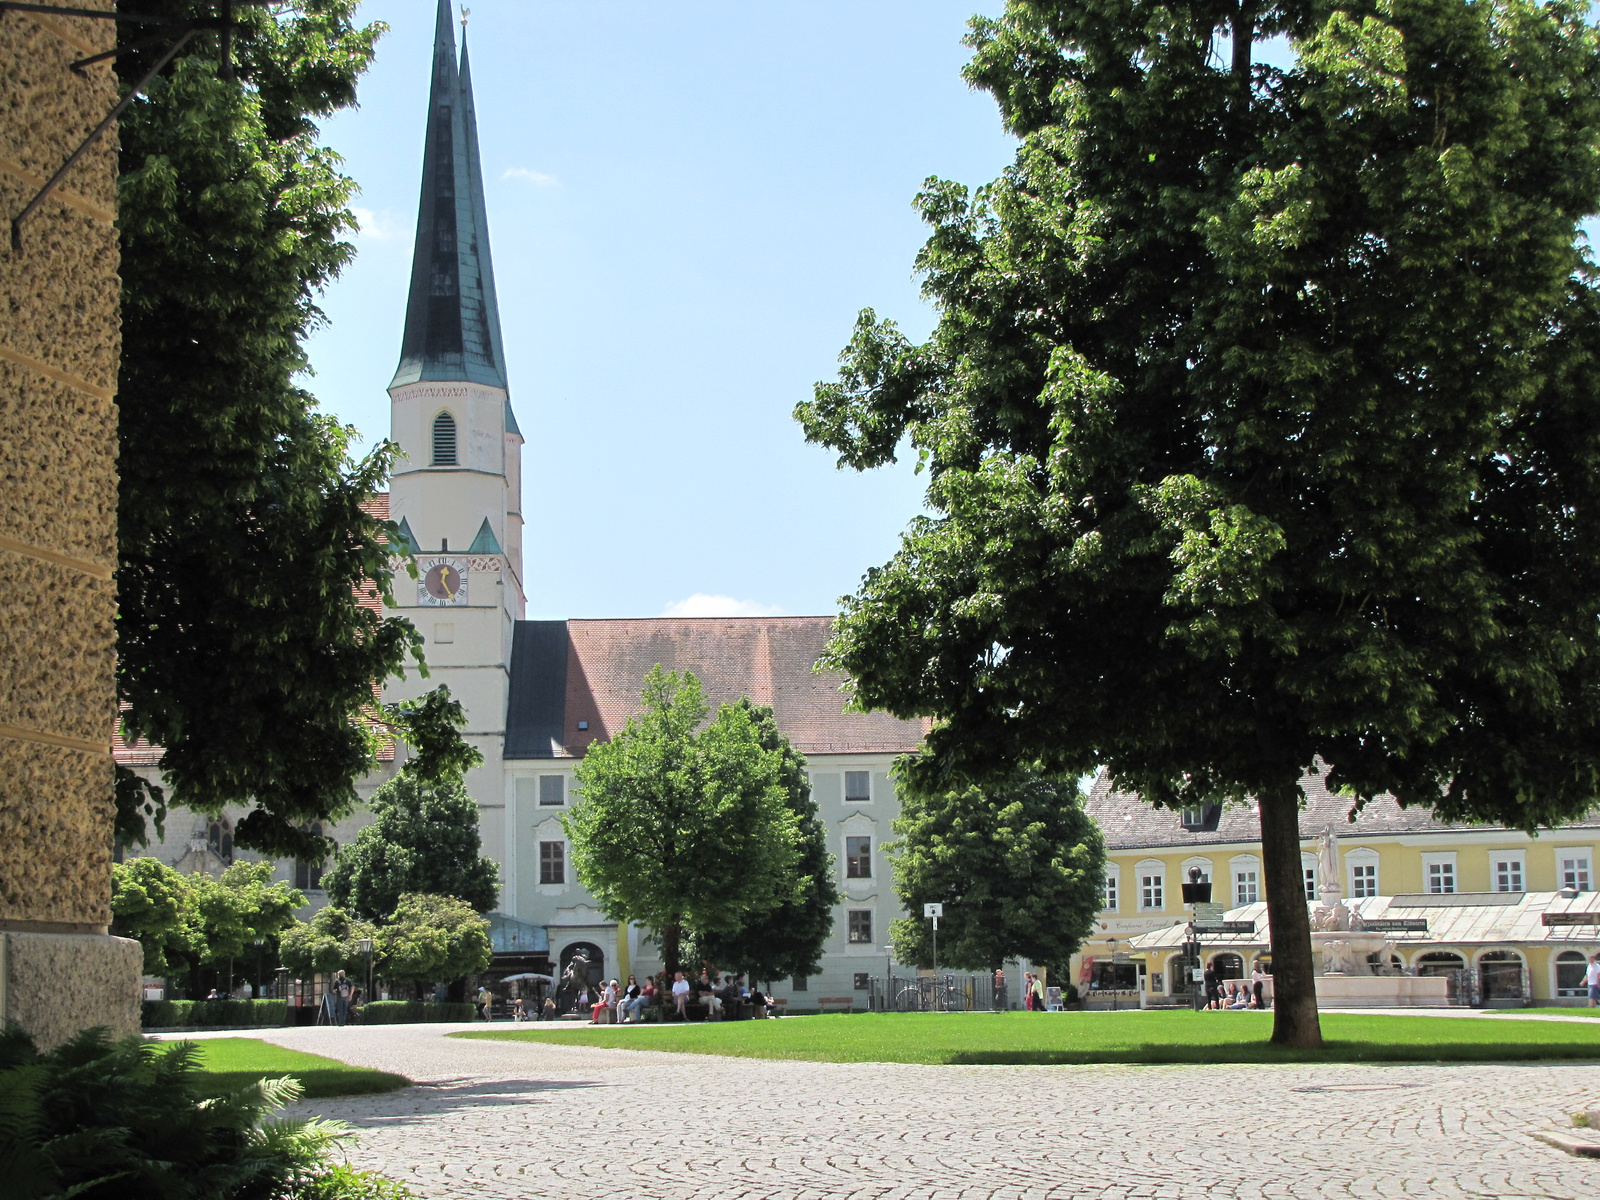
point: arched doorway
(1228, 966)
(567, 991)
(1500, 975)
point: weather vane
(465, 13)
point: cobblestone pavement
(513, 1120)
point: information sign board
(1227, 927)
(1396, 925)
(1569, 918)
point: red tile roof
(769, 659)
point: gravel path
(505, 1119)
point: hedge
(226, 1014)
(408, 1012)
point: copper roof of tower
(452, 320)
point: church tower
(457, 492)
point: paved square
(505, 1119)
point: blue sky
(688, 204)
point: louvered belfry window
(444, 440)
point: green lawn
(230, 1063)
(1550, 1012)
(1086, 1037)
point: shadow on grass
(318, 1082)
(1251, 1053)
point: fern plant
(96, 1119)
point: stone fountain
(1347, 975)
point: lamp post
(1195, 893)
(365, 946)
(1113, 943)
(935, 911)
(888, 984)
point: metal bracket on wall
(182, 29)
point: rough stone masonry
(59, 346)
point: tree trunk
(1294, 985)
(672, 948)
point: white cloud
(702, 605)
(380, 226)
(537, 178)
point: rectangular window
(858, 858)
(858, 786)
(1575, 871)
(1507, 874)
(799, 983)
(1441, 878)
(860, 926)
(1311, 883)
(1150, 892)
(1110, 899)
(1193, 817)
(860, 981)
(1364, 880)
(1245, 890)
(552, 862)
(552, 789)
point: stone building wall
(59, 348)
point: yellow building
(1516, 915)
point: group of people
(629, 1002)
(1236, 995)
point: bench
(846, 1001)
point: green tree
(1259, 420)
(423, 838)
(188, 922)
(241, 910)
(154, 905)
(433, 939)
(242, 650)
(329, 942)
(787, 939)
(682, 828)
(1018, 864)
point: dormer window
(1194, 816)
(444, 440)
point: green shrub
(408, 1012)
(226, 1014)
(344, 1182)
(100, 1120)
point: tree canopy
(1259, 419)
(788, 939)
(423, 838)
(242, 650)
(1018, 864)
(187, 922)
(682, 828)
(329, 942)
(430, 939)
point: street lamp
(888, 985)
(365, 946)
(1113, 943)
(1195, 893)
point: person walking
(1038, 993)
(1591, 979)
(1213, 988)
(1258, 986)
(342, 989)
(680, 996)
(999, 989)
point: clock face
(445, 582)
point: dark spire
(452, 321)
